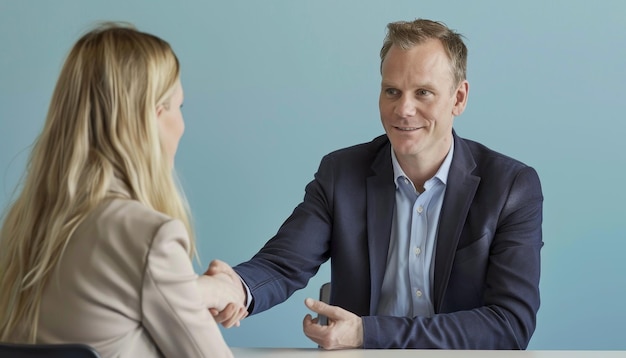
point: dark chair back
(324, 297)
(13, 350)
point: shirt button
(418, 251)
(418, 293)
(406, 181)
(420, 209)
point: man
(434, 240)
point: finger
(229, 323)
(234, 319)
(312, 330)
(217, 266)
(211, 264)
(225, 314)
(243, 313)
(239, 312)
(311, 327)
(308, 319)
(320, 307)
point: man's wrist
(247, 298)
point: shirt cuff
(249, 298)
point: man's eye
(423, 92)
(391, 92)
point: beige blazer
(126, 286)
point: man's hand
(217, 291)
(232, 312)
(344, 329)
(220, 296)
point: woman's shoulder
(132, 212)
(128, 222)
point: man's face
(418, 101)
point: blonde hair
(101, 125)
(406, 34)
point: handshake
(226, 297)
(223, 293)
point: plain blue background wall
(271, 86)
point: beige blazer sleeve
(171, 302)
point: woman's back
(126, 286)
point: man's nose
(405, 107)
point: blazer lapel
(380, 206)
(460, 190)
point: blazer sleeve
(172, 307)
(510, 295)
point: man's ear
(462, 92)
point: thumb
(217, 266)
(318, 306)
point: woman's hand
(225, 294)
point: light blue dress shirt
(408, 281)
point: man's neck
(423, 166)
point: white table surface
(401, 353)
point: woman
(97, 247)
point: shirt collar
(441, 174)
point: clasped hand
(224, 294)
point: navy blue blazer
(487, 259)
